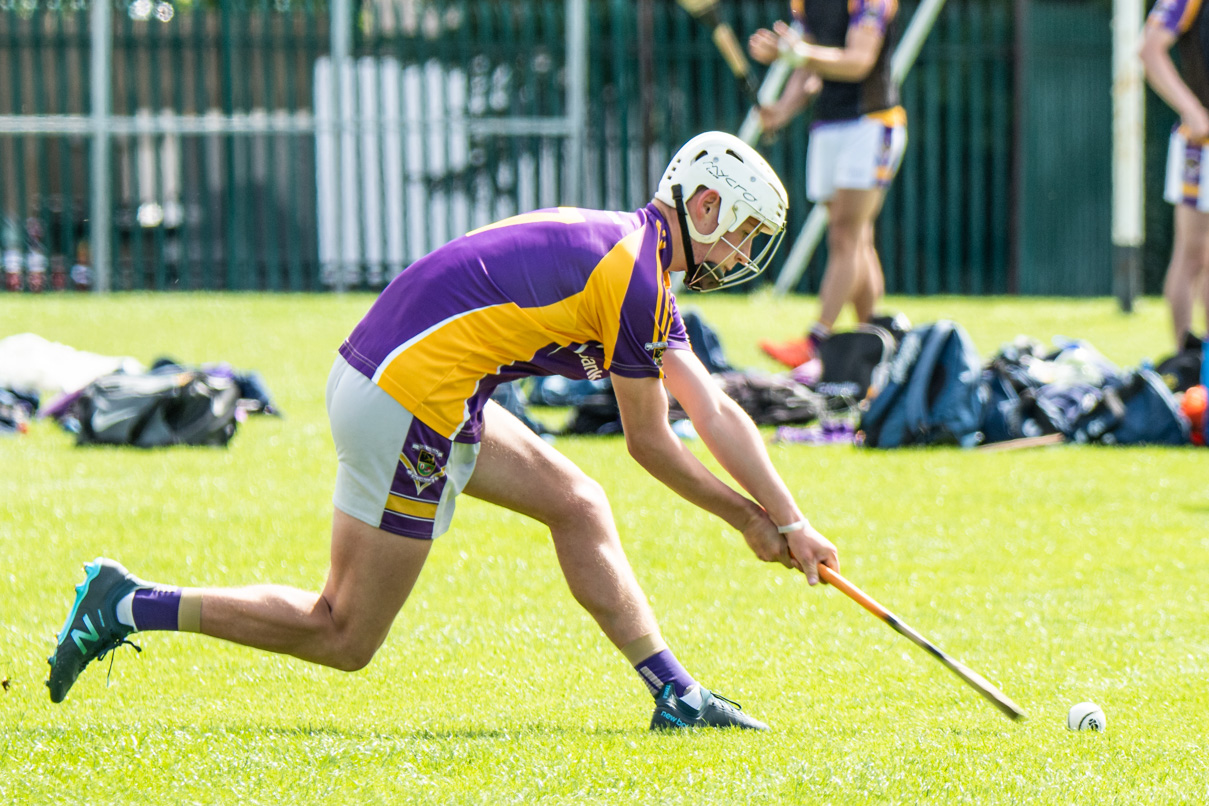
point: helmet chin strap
(694, 279)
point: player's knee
(583, 500)
(1188, 262)
(345, 645)
(843, 236)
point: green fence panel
(41, 216)
(998, 150)
(218, 171)
(945, 224)
(1064, 205)
(192, 208)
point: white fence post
(101, 205)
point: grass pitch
(1061, 574)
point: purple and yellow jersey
(1185, 20)
(828, 23)
(877, 13)
(578, 293)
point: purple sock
(156, 608)
(662, 667)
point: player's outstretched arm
(853, 62)
(653, 444)
(735, 442)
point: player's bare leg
(517, 470)
(372, 573)
(871, 286)
(849, 237)
(1187, 270)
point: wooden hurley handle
(866, 601)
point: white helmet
(749, 189)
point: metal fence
(305, 145)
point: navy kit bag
(1015, 409)
(934, 395)
(1137, 409)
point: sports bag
(1014, 409)
(1137, 409)
(1182, 371)
(934, 394)
(771, 399)
(853, 361)
(166, 408)
(706, 343)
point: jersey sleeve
(1175, 16)
(650, 324)
(677, 335)
(876, 14)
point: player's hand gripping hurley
(975, 680)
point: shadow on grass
(55, 733)
(445, 734)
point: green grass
(1061, 574)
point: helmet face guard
(748, 189)
(751, 256)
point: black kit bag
(1137, 409)
(1182, 371)
(596, 414)
(772, 399)
(177, 408)
(853, 361)
(767, 399)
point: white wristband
(793, 527)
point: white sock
(692, 697)
(126, 609)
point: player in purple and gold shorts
(841, 50)
(1185, 25)
(572, 292)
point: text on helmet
(715, 171)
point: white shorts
(1187, 172)
(860, 154)
(394, 471)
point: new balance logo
(79, 636)
(675, 720)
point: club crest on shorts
(656, 349)
(426, 463)
(427, 467)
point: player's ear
(705, 203)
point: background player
(1183, 23)
(857, 139)
(575, 292)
